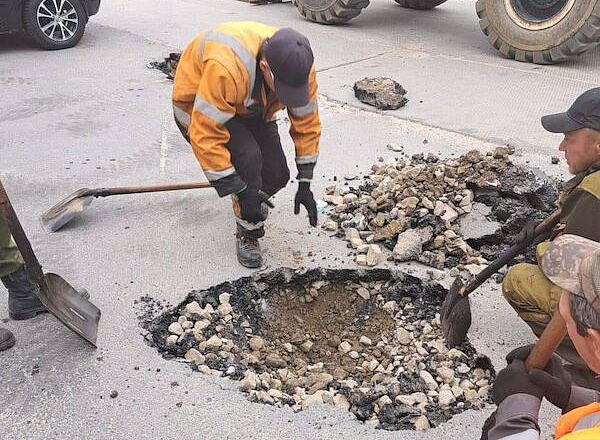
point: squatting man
(230, 83)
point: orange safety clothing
(217, 78)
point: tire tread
(420, 4)
(584, 39)
(340, 12)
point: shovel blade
(455, 315)
(71, 307)
(66, 210)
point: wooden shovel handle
(104, 192)
(551, 338)
(542, 228)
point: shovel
(74, 204)
(456, 308)
(71, 307)
(539, 356)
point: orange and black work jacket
(517, 417)
(217, 78)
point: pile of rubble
(454, 213)
(168, 66)
(366, 341)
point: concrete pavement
(95, 115)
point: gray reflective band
(211, 111)
(182, 116)
(589, 421)
(302, 160)
(245, 56)
(307, 109)
(216, 175)
(249, 226)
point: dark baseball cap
(585, 112)
(290, 57)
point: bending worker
(573, 263)
(230, 83)
(23, 302)
(533, 296)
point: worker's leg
(247, 160)
(275, 172)
(535, 299)
(10, 257)
(23, 301)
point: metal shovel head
(455, 315)
(65, 210)
(71, 307)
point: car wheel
(54, 24)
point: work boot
(7, 339)
(248, 251)
(23, 301)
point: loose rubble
(380, 92)
(168, 66)
(453, 213)
(368, 342)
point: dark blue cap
(290, 57)
(585, 112)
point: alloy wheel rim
(57, 19)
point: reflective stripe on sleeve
(245, 56)
(305, 110)
(219, 116)
(216, 175)
(302, 160)
(182, 116)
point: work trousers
(258, 158)
(10, 257)
(535, 300)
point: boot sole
(250, 264)
(25, 315)
(5, 345)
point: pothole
(366, 341)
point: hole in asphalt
(366, 341)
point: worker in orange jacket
(230, 83)
(573, 263)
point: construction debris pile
(168, 66)
(453, 213)
(365, 341)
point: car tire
(51, 29)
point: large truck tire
(330, 11)
(540, 31)
(420, 4)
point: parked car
(51, 24)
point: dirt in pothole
(368, 342)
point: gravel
(368, 342)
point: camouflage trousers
(535, 300)
(10, 257)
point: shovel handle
(542, 228)
(14, 226)
(551, 338)
(104, 192)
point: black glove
(553, 379)
(252, 205)
(304, 196)
(527, 234)
(514, 379)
